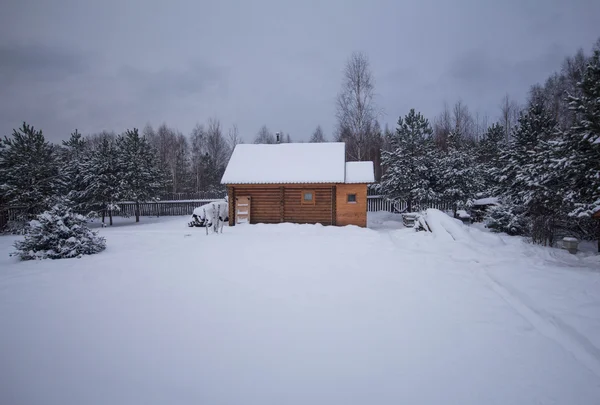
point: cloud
(169, 83)
(39, 63)
(59, 91)
(113, 65)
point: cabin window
(308, 197)
(351, 198)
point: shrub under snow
(508, 218)
(57, 234)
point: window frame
(351, 202)
(308, 202)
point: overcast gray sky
(115, 64)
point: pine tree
(408, 162)
(460, 176)
(58, 233)
(139, 171)
(527, 178)
(102, 178)
(28, 170)
(73, 171)
(488, 153)
(580, 148)
(508, 218)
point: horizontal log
(303, 211)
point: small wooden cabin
(297, 182)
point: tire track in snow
(547, 324)
(550, 326)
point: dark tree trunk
(598, 236)
(110, 217)
(137, 211)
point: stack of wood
(409, 219)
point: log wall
(320, 212)
(278, 203)
(351, 213)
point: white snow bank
(166, 315)
(210, 210)
(463, 214)
(486, 201)
(445, 227)
(384, 220)
(360, 172)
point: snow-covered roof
(323, 162)
(286, 163)
(360, 172)
(486, 201)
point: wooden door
(242, 210)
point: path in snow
(548, 324)
(300, 314)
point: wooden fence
(186, 207)
(199, 195)
(381, 203)
(126, 209)
(10, 214)
(160, 208)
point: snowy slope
(387, 316)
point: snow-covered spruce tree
(580, 146)
(508, 218)
(102, 178)
(526, 178)
(488, 152)
(460, 176)
(57, 234)
(139, 171)
(28, 170)
(73, 174)
(408, 175)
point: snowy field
(301, 314)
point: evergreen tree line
(91, 174)
(544, 168)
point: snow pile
(302, 314)
(486, 201)
(204, 215)
(382, 220)
(444, 227)
(58, 233)
(463, 214)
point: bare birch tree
(233, 138)
(442, 126)
(317, 136)
(509, 115)
(264, 136)
(216, 145)
(355, 107)
(198, 149)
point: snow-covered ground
(298, 314)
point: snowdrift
(203, 215)
(445, 227)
